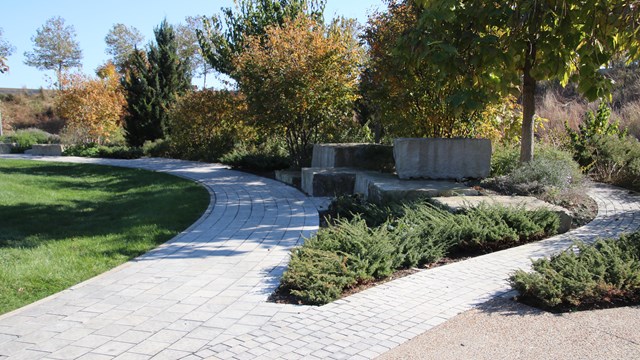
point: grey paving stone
(202, 294)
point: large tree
(223, 38)
(55, 48)
(514, 44)
(6, 50)
(300, 80)
(405, 97)
(153, 82)
(121, 41)
(189, 47)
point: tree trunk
(528, 106)
(204, 73)
(59, 75)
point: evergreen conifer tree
(153, 82)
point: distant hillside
(15, 91)
(29, 108)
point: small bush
(25, 139)
(616, 161)
(157, 148)
(551, 170)
(317, 277)
(587, 276)
(504, 160)
(597, 124)
(94, 150)
(267, 156)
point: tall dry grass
(558, 109)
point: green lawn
(61, 224)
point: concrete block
(46, 150)
(383, 188)
(457, 203)
(360, 156)
(5, 148)
(291, 177)
(328, 181)
(452, 159)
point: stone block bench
(328, 181)
(444, 159)
(46, 150)
(360, 156)
(5, 148)
(384, 188)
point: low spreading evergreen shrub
(317, 277)
(604, 274)
(352, 251)
(349, 206)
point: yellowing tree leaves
(92, 107)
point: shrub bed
(25, 139)
(551, 170)
(605, 274)
(351, 251)
(267, 156)
(617, 161)
(94, 150)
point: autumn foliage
(402, 94)
(92, 107)
(300, 80)
(207, 124)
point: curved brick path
(202, 295)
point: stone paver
(376, 320)
(210, 282)
(203, 294)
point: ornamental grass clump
(601, 275)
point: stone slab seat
(291, 177)
(328, 181)
(444, 159)
(381, 188)
(46, 150)
(376, 157)
(5, 148)
(456, 203)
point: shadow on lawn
(121, 215)
(87, 176)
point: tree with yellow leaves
(300, 80)
(92, 107)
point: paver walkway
(203, 294)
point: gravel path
(504, 329)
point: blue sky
(92, 20)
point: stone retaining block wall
(5, 148)
(431, 158)
(46, 150)
(359, 156)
